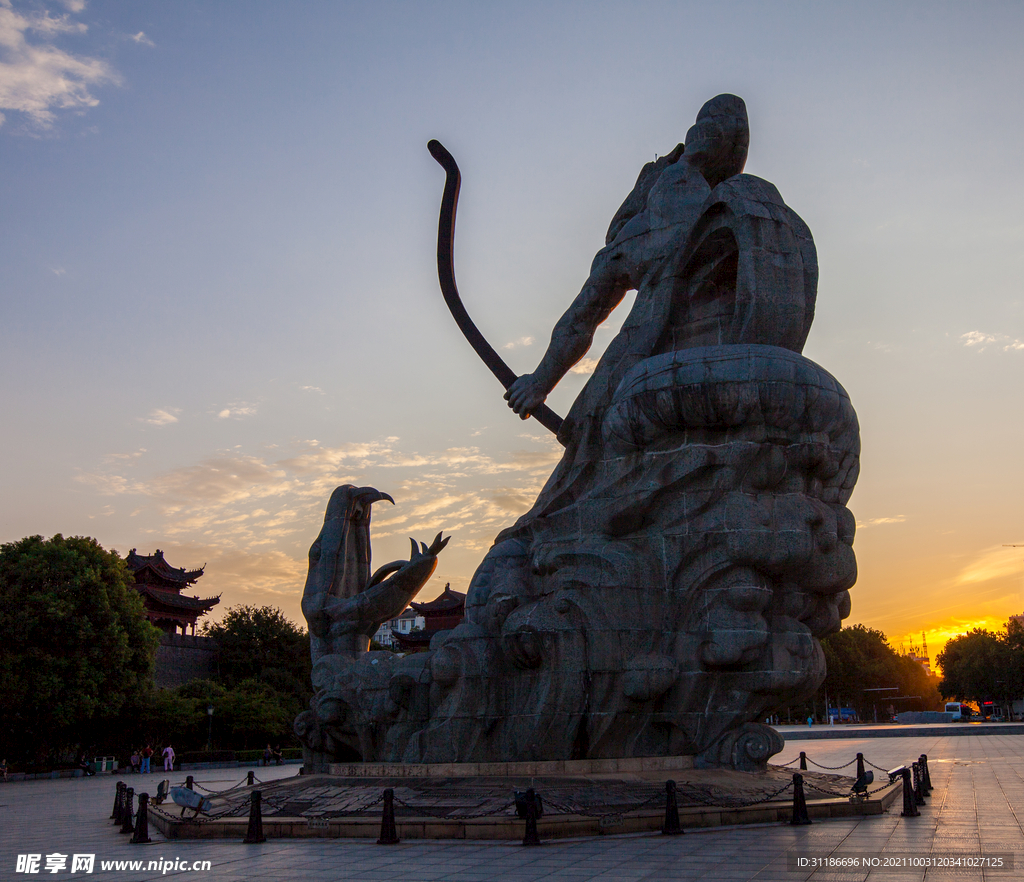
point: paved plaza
(976, 808)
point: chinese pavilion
(441, 614)
(161, 585)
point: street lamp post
(209, 736)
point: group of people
(273, 753)
(142, 758)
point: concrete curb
(926, 730)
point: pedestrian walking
(147, 755)
(168, 758)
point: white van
(961, 712)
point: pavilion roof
(178, 601)
(156, 563)
(448, 601)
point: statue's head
(717, 142)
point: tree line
(78, 654)
(985, 666)
(77, 660)
(866, 674)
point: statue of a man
(649, 228)
(670, 583)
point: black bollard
(671, 825)
(190, 782)
(255, 832)
(141, 834)
(250, 779)
(926, 778)
(115, 815)
(531, 836)
(388, 828)
(800, 816)
(127, 815)
(909, 806)
(918, 793)
(860, 765)
(803, 761)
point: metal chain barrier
(243, 783)
(592, 803)
(843, 794)
(831, 768)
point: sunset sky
(218, 291)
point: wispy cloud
(38, 79)
(995, 562)
(259, 577)
(253, 501)
(517, 344)
(874, 522)
(162, 416)
(125, 457)
(584, 366)
(142, 39)
(253, 515)
(983, 341)
(237, 410)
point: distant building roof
(449, 601)
(154, 564)
(177, 601)
(414, 641)
(160, 585)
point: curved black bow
(446, 276)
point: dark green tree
(262, 644)
(984, 666)
(77, 650)
(246, 715)
(859, 659)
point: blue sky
(218, 296)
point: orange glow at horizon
(937, 636)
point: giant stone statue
(668, 588)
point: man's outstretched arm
(609, 280)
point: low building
(441, 614)
(408, 621)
